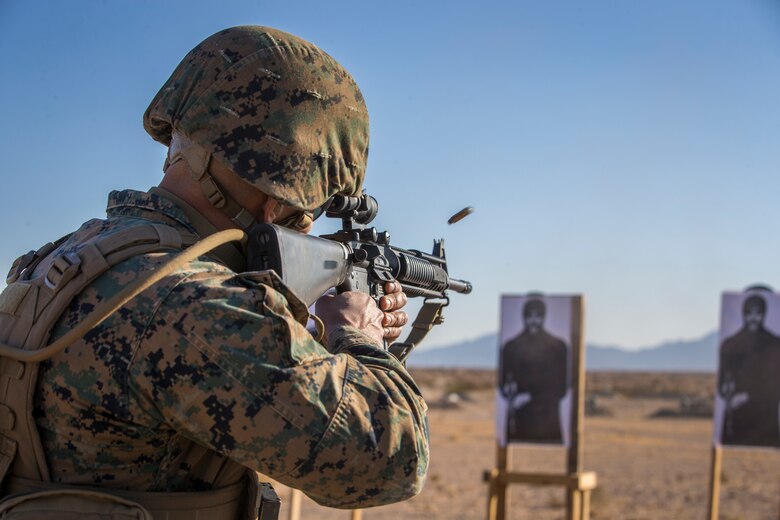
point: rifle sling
(428, 316)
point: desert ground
(647, 436)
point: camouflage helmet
(273, 108)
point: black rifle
(356, 258)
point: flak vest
(40, 287)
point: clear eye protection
(302, 220)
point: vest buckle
(62, 270)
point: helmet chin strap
(198, 159)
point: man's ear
(271, 210)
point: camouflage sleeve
(228, 363)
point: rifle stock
(307, 265)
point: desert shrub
(593, 407)
(689, 407)
(651, 384)
(455, 380)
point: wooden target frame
(716, 450)
(578, 483)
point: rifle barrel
(461, 286)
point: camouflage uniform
(209, 372)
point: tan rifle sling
(40, 287)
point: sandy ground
(648, 468)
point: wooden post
(295, 504)
(574, 455)
(490, 477)
(715, 472)
(585, 515)
(575, 502)
(502, 503)
(357, 514)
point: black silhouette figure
(533, 378)
(749, 380)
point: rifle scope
(361, 210)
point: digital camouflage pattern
(276, 110)
(209, 372)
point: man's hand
(509, 389)
(352, 308)
(394, 318)
(737, 400)
(519, 400)
(359, 310)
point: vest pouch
(71, 504)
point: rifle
(356, 258)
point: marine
(210, 375)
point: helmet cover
(273, 108)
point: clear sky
(628, 151)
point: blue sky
(624, 150)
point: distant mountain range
(697, 355)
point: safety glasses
(301, 220)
